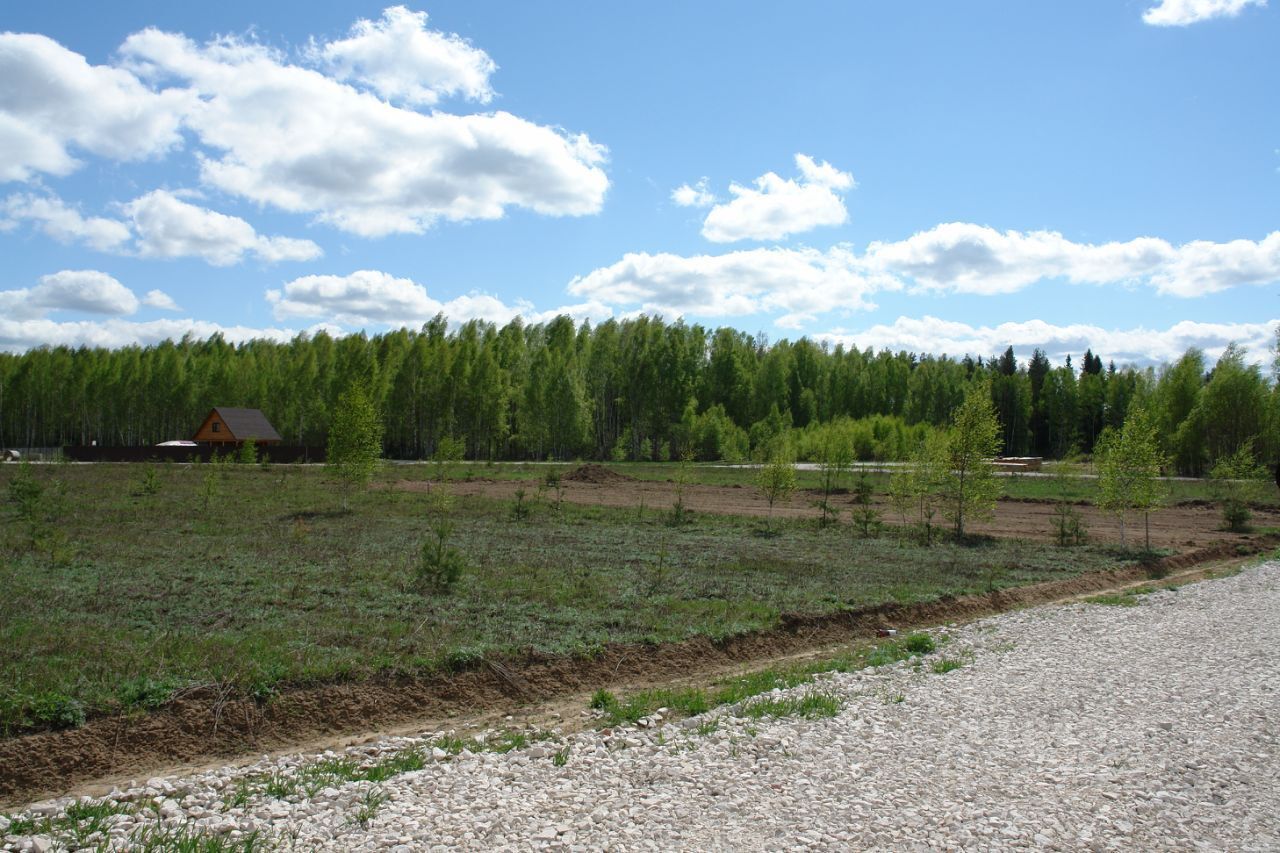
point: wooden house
(235, 426)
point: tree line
(633, 389)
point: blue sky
(943, 176)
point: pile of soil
(593, 473)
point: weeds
(519, 509)
(370, 802)
(188, 839)
(946, 665)
(708, 727)
(691, 702)
(811, 706)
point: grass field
(254, 578)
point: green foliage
(57, 711)
(776, 480)
(555, 482)
(866, 517)
(811, 706)
(149, 483)
(1237, 481)
(1129, 463)
(25, 491)
(1067, 523)
(247, 454)
(440, 566)
(970, 489)
(834, 456)
(519, 509)
(355, 439)
(919, 643)
(449, 450)
(946, 665)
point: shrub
(57, 711)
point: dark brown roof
(247, 423)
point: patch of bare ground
(1178, 527)
(204, 726)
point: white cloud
(777, 207)
(698, 195)
(965, 258)
(64, 223)
(1139, 345)
(372, 297)
(1180, 13)
(295, 139)
(20, 335)
(404, 61)
(169, 227)
(800, 283)
(160, 299)
(89, 291)
(797, 285)
(52, 100)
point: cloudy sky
(946, 176)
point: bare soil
(202, 727)
(1177, 527)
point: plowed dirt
(1178, 527)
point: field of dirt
(1177, 527)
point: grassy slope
(273, 585)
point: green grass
(810, 706)
(690, 702)
(1113, 600)
(274, 586)
(945, 665)
(1129, 597)
(75, 825)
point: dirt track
(1178, 528)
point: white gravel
(1078, 727)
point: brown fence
(201, 453)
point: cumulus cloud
(298, 140)
(1141, 346)
(373, 297)
(800, 283)
(88, 291)
(52, 101)
(64, 223)
(698, 195)
(1180, 13)
(966, 258)
(775, 207)
(160, 299)
(402, 60)
(169, 227)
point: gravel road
(1077, 727)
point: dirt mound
(593, 473)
